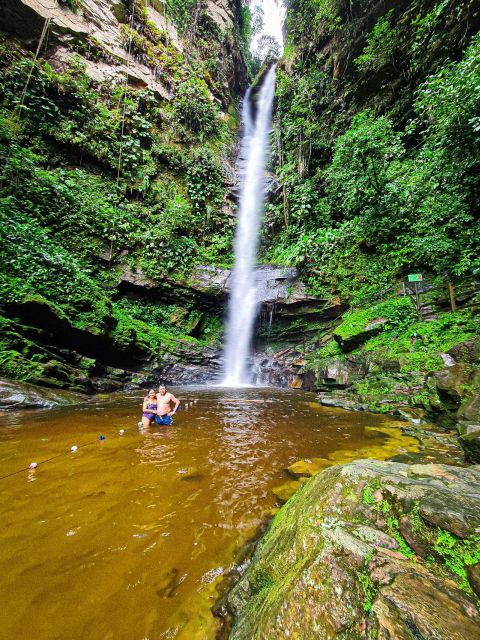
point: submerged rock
(308, 468)
(285, 491)
(368, 550)
(340, 402)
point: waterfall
(243, 303)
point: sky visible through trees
(268, 17)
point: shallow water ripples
(129, 537)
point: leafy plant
(458, 555)
(195, 108)
(381, 44)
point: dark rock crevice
(59, 333)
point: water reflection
(147, 523)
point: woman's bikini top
(152, 405)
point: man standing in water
(164, 408)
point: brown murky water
(128, 538)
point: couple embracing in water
(158, 407)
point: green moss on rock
(338, 562)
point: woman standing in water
(149, 408)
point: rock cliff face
(127, 112)
(96, 33)
(368, 550)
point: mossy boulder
(470, 408)
(349, 336)
(20, 395)
(367, 550)
(451, 384)
(469, 438)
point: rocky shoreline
(368, 550)
(16, 395)
(373, 549)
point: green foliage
(67, 108)
(180, 11)
(370, 589)
(18, 357)
(426, 27)
(165, 316)
(365, 157)
(85, 205)
(381, 43)
(367, 495)
(458, 554)
(35, 264)
(396, 202)
(312, 20)
(218, 251)
(365, 200)
(415, 518)
(73, 5)
(150, 337)
(418, 346)
(362, 200)
(67, 222)
(204, 183)
(376, 391)
(448, 107)
(398, 313)
(195, 108)
(246, 27)
(249, 25)
(179, 254)
(319, 358)
(211, 328)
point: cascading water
(243, 303)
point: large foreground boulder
(368, 550)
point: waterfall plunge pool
(130, 538)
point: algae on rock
(365, 551)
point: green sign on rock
(415, 277)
